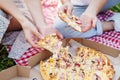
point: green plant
(5, 62)
(116, 8)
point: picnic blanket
(23, 52)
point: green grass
(116, 8)
(5, 62)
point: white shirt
(80, 2)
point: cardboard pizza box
(35, 60)
(97, 46)
(24, 71)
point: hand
(46, 30)
(67, 8)
(31, 33)
(88, 21)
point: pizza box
(97, 46)
(35, 60)
(94, 45)
(24, 71)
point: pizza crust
(51, 43)
(70, 21)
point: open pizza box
(74, 43)
(97, 46)
(24, 71)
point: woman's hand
(67, 8)
(31, 33)
(88, 21)
(46, 30)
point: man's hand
(88, 18)
(88, 21)
(67, 8)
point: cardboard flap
(23, 71)
(102, 48)
(97, 46)
(65, 41)
(38, 57)
(8, 73)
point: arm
(95, 6)
(36, 11)
(67, 7)
(65, 1)
(89, 17)
(29, 29)
(11, 9)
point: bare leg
(14, 25)
(108, 25)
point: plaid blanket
(108, 38)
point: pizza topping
(96, 77)
(74, 21)
(87, 65)
(51, 75)
(77, 64)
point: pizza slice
(73, 21)
(96, 63)
(51, 43)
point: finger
(69, 11)
(31, 42)
(63, 9)
(37, 34)
(94, 23)
(86, 27)
(60, 36)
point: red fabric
(110, 38)
(23, 61)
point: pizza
(88, 64)
(95, 64)
(51, 43)
(73, 21)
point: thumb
(59, 35)
(94, 22)
(69, 11)
(37, 34)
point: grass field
(116, 8)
